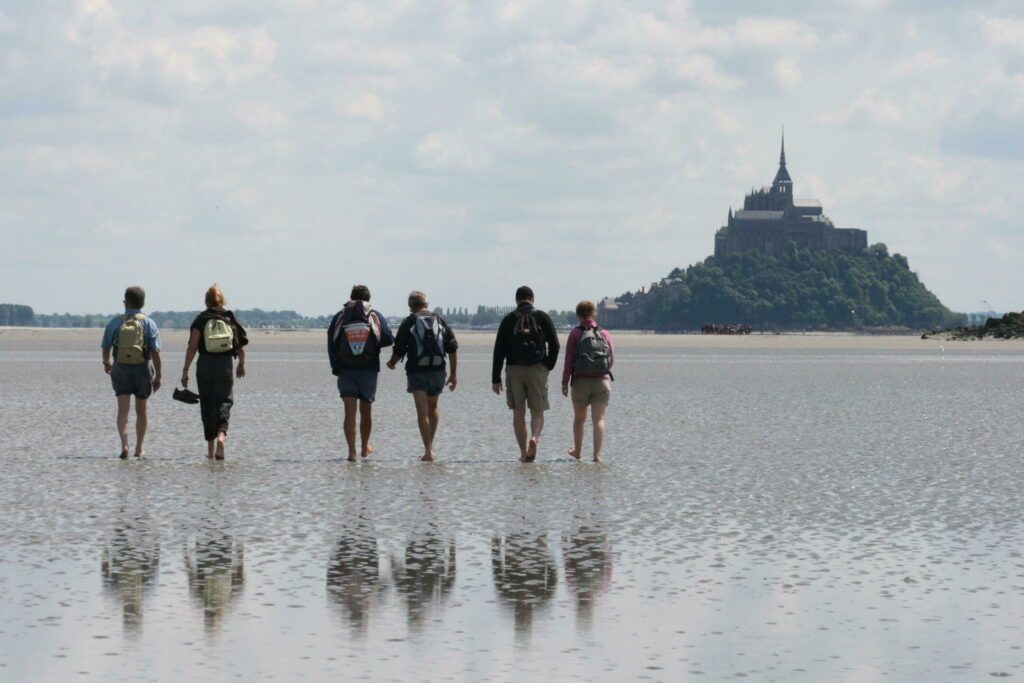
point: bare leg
(519, 427)
(350, 425)
(221, 445)
(141, 422)
(597, 415)
(423, 421)
(124, 404)
(536, 425)
(579, 420)
(435, 417)
(211, 448)
(365, 426)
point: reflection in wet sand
(216, 573)
(131, 561)
(525, 576)
(353, 577)
(426, 576)
(588, 570)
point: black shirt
(503, 342)
(199, 324)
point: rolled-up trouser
(215, 380)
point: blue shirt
(149, 331)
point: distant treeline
(24, 316)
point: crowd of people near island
(725, 328)
(526, 347)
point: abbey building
(771, 218)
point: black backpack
(527, 339)
(357, 335)
(593, 355)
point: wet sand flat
(770, 508)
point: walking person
(528, 346)
(589, 356)
(355, 338)
(424, 339)
(131, 343)
(218, 338)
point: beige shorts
(587, 391)
(527, 385)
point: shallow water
(769, 514)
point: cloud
(261, 116)
(870, 109)
(772, 33)
(366, 106)
(787, 73)
(1004, 32)
(987, 134)
(916, 64)
(702, 71)
(448, 152)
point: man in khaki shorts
(527, 346)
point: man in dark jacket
(355, 338)
(528, 346)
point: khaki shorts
(527, 385)
(587, 391)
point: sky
(288, 149)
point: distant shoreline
(482, 340)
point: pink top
(570, 348)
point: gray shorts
(358, 383)
(430, 381)
(132, 380)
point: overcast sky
(290, 148)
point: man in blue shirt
(355, 338)
(130, 342)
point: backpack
(527, 339)
(429, 336)
(593, 357)
(218, 336)
(130, 343)
(357, 335)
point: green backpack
(130, 347)
(218, 336)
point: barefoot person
(528, 345)
(218, 337)
(424, 339)
(589, 356)
(355, 338)
(130, 342)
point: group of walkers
(526, 347)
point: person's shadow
(525, 576)
(353, 577)
(425, 576)
(216, 574)
(587, 555)
(129, 567)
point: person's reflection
(216, 573)
(588, 570)
(426, 576)
(525, 575)
(130, 563)
(353, 577)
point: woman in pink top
(589, 356)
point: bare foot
(124, 453)
(139, 454)
(220, 450)
(531, 450)
(597, 458)
(429, 457)
(351, 457)
(573, 453)
(368, 450)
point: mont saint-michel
(771, 218)
(781, 263)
